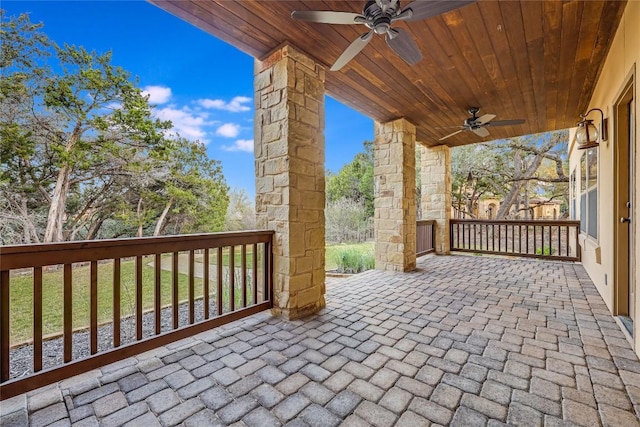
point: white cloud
(228, 130)
(245, 145)
(185, 123)
(193, 121)
(157, 94)
(236, 105)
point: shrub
(547, 250)
(346, 221)
(350, 260)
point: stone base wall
(436, 193)
(395, 196)
(290, 182)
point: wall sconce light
(587, 134)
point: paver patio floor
(466, 341)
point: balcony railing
(425, 237)
(138, 294)
(530, 238)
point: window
(589, 193)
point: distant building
(487, 208)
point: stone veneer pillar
(395, 195)
(436, 193)
(290, 182)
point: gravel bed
(21, 358)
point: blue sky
(203, 85)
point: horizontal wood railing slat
(21, 256)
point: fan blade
(326, 17)
(423, 9)
(404, 46)
(480, 132)
(353, 49)
(507, 122)
(484, 119)
(450, 135)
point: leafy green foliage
(354, 181)
(353, 260)
(547, 250)
(513, 170)
(81, 147)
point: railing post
(425, 237)
(4, 326)
(451, 244)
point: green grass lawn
(21, 293)
(21, 290)
(237, 256)
(52, 289)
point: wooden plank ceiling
(537, 60)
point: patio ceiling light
(587, 134)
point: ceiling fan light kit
(378, 16)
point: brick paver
(462, 341)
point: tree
(80, 145)
(354, 180)
(346, 221)
(513, 170)
(240, 213)
(471, 175)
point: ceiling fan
(477, 124)
(377, 16)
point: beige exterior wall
(598, 255)
(395, 195)
(487, 209)
(290, 184)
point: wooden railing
(530, 238)
(139, 294)
(425, 237)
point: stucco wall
(622, 59)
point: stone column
(436, 193)
(290, 183)
(395, 195)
